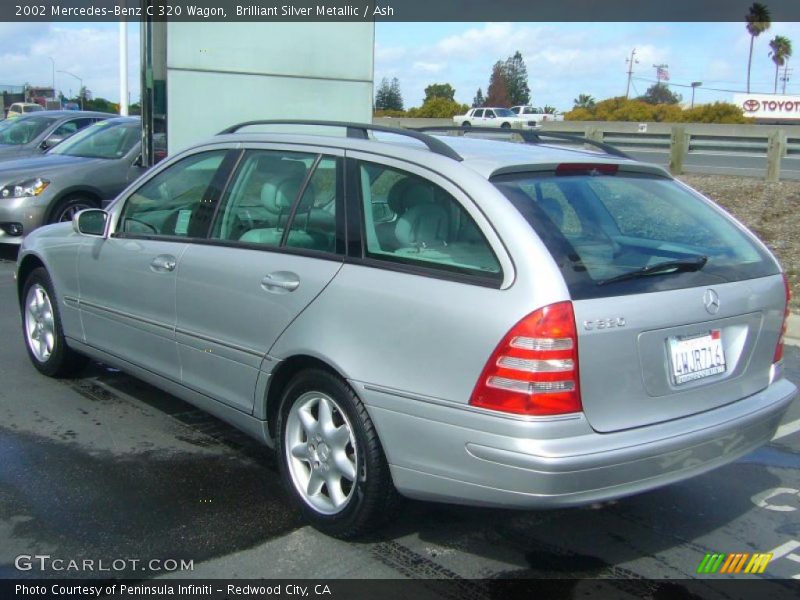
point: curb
(793, 330)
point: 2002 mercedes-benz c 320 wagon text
(414, 314)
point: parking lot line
(787, 429)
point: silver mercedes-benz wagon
(426, 315)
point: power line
(686, 85)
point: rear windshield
(602, 229)
(22, 130)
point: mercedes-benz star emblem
(711, 301)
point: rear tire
(505, 126)
(66, 208)
(41, 327)
(330, 458)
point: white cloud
(562, 62)
(428, 67)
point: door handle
(163, 263)
(280, 282)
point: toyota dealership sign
(768, 106)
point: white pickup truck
(492, 117)
(532, 113)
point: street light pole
(695, 85)
(52, 60)
(80, 81)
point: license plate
(696, 357)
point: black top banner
(393, 10)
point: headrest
(278, 197)
(408, 193)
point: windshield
(104, 139)
(621, 233)
(503, 112)
(31, 108)
(24, 129)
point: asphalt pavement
(105, 467)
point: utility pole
(786, 72)
(695, 85)
(631, 61)
(661, 72)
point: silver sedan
(91, 167)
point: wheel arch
(29, 263)
(282, 375)
(70, 193)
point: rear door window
(279, 198)
(602, 228)
(411, 220)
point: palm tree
(758, 21)
(584, 101)
(780, 51)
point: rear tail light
(534, 369)
(778, 356)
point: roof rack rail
(359, 131)
(531, 136)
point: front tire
(41, 326)
(330, 457)
(505, 126)
(466, 124)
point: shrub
(579, 114)
(389, 113)
(718, 112)
(438, 108)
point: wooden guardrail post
(678, 146)
(594, 133)
(776, 150)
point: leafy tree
(497, 94)
(437, 107)
(517, 80)
(758, 21)
(780, 52)
(549, 110)
(478, 101)
(658, 93)
(439, 90)
(584, 101)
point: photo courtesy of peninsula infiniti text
(529, 322)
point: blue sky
(563, 59)
(566, 59)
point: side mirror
(92, 222)
(53, 140)
(139, 162)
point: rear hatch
(678, 308)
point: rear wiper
(682, 264)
